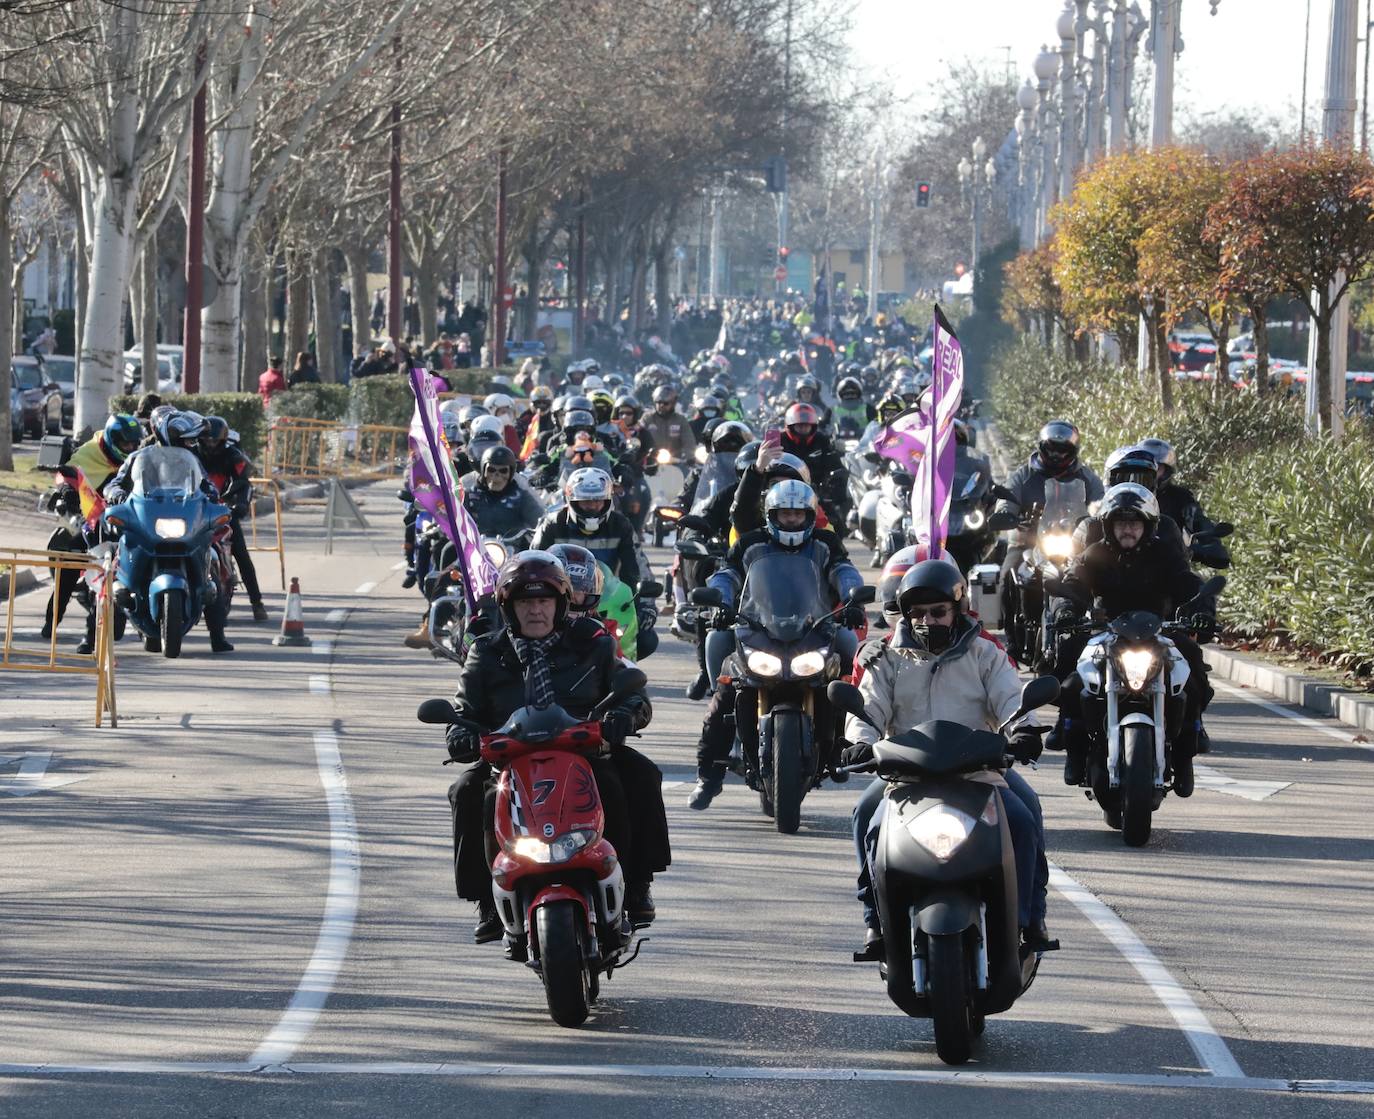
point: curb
(1355, 709)
(25, 580)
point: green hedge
(1303, 551)
(241, 410)
(311, 402)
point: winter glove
(720, 618)
(646, 613)
(617, 725)
(1025, 746)
(853, 617)
(856, 754)
(463, 743)
(1204, 628)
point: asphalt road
(240, 903)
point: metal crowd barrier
(274, 486)
(313, 449)
(100, 663)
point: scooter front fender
(945, 912)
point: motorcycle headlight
(701, 453)
(495, 552)
(974, 519)
(808, 664)
(170, 528)
(1138, 666)
(763, 664)
(1057, 545)
(941, 830)
(664, 456)
(558, 850)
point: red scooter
(556, 881)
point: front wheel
(951, 997)
(789, 782)
(170, 623)
(1137, 783)
(560, 929)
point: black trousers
(244, 559)
(631, 788)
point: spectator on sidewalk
(304, 372)
(270, 382)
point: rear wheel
(1137, 783)
(170, 624)
(560, 930)
(789, 783)
(951, 997)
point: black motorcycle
(971, 539)
(944, 875)
(788, 647)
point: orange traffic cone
(293, 621)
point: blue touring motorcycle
(170, 569)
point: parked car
(61, 370)
(168, 371)
(40, 398)
(16, 414)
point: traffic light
(783, 250)
(922, 195)
(775, 174)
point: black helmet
(849, 388)
(1058, 446)
(730, 435)
(932, 580)
(1128, 501)
(584, 574)
(665, 394)
(627, 402)
(181, 429)
(532, 574)
(1132, 464)
(1163, 454)
(748, 455)
(216, 434)
(499, 455)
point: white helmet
(487, 427)
(499, 402)
(790, 494)
(591, 382)
(588, 484)
(453, 430)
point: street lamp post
(1067, 28)
(976, 179)
(1045, 65)
(1026, 101)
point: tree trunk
(533, 272)
(219, 321)
(663, 297)
(80, 286)
(426, 281)
(326, 315)
(297, 304)
(1151, 361)
(147, 312)
(253, 294)
(356, 257)
(102, 351)
(17, 269)
(1261, 349)
(1166, 375)
(1222, 336)
(6, 311)
(1322, 325)
(54, 271)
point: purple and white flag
(436, 488)
(930, 496)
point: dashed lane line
(365, 588)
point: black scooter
(944, 875)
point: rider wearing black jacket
(231, 472)
(1132, 568)
(498, 504)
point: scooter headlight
(559, 850)
(1138, 666)
(808, 664)
(941, 830)
(764, 664)
(974, 519)
(170, 528)
(1057, 545)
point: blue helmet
(121, 436)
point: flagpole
(932, 450)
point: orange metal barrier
(301, 448)
(100, 663)
(280, 546)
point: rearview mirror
(707, 596)
(1223, 529)
(1214, 586)
(649, 588)
(845, 697)
(861, 596)
(1038, 692)
(439, 711)
(1001, 492)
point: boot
(1075, 766)
(420, 638)
(1183, 775)
(873, 949)
(259, 612)
(1035, 937)
(87, 645)
(639, 903)
(707, 789)
(488, 927)
(409, 580)
(699, 686)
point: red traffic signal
(783, 250)
(923, 195)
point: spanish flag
(531, 443)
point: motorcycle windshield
(166, 471)
(1066, 503)
(783, 593)
(968, 474)
(718, 474)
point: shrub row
(1303, 550)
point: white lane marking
(399, 566)
(32, 776)
(319, 685)
(1211, 1050)
(1339, 731)
(340, 912)
(694, 1072)
(322, 646)
(335, 616)
(1206, 777)
(365, 588)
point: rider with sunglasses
(941, 664)
(498, 504)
